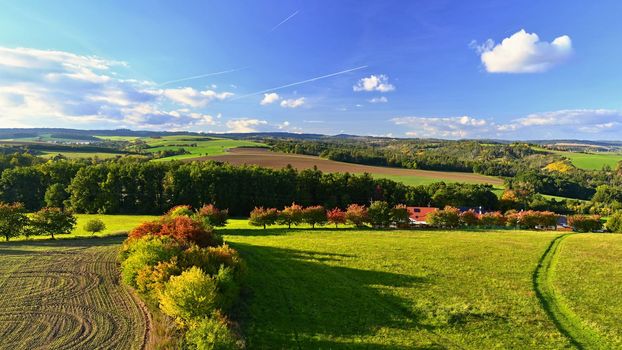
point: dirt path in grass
(277, 160)
(566, 321)
(66, 294)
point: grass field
(81, 155)
(65, 294)
(588, 278)
(115, 225)
(592, 161)
(329, 289)
(198, 146)
(340, 289)
(265, 158)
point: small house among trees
(418, 215)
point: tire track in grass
(564, 319)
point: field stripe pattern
(566, 321)
(67, 295)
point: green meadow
(348, 288)
(592, 161)
(198, 146)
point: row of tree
(15, 222)
(451, 217)
(545, 172)
(133, 186)
(378, 214)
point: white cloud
(56, 88)
(380, 99)
(444, 127)
(523, 53)
(191, 97)
(568, 121)
(245, 125)
(269, 98)
(374, 83)
(293, 103)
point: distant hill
(88, 135)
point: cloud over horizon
(43, 87)
(245, 125)
(523, 52)
(562, 124)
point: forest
(521, 164)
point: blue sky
(449, 69)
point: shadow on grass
(297, 299)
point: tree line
(135, 186)
(519, 163)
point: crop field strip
(275, 160)
(66, 295)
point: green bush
(212, 258)
(228, 288)
(212, 216)
(446, 218)
(190, 296)
(151, 279)
(211, 334)
(379, 214)
(94, 226)
(400, 215)
(180, 210)
(614, 224)
(145, 252)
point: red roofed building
(418, 215)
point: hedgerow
(180, 266)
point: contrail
(301, 82)
(285, 20)
(202, 76)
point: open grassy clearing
(275, 160)
(198, 146)
(81, 155)
(588, 278)
(65, 294)
(592, 161)
(115, 225)
(330, 289)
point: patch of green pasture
(360, 289)
(80, 155)
(413, 180)
(115, 225)
(592, 161)
(204, 146)
(588, 277)
(118, 138)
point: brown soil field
(276, 160)
(66, 294)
